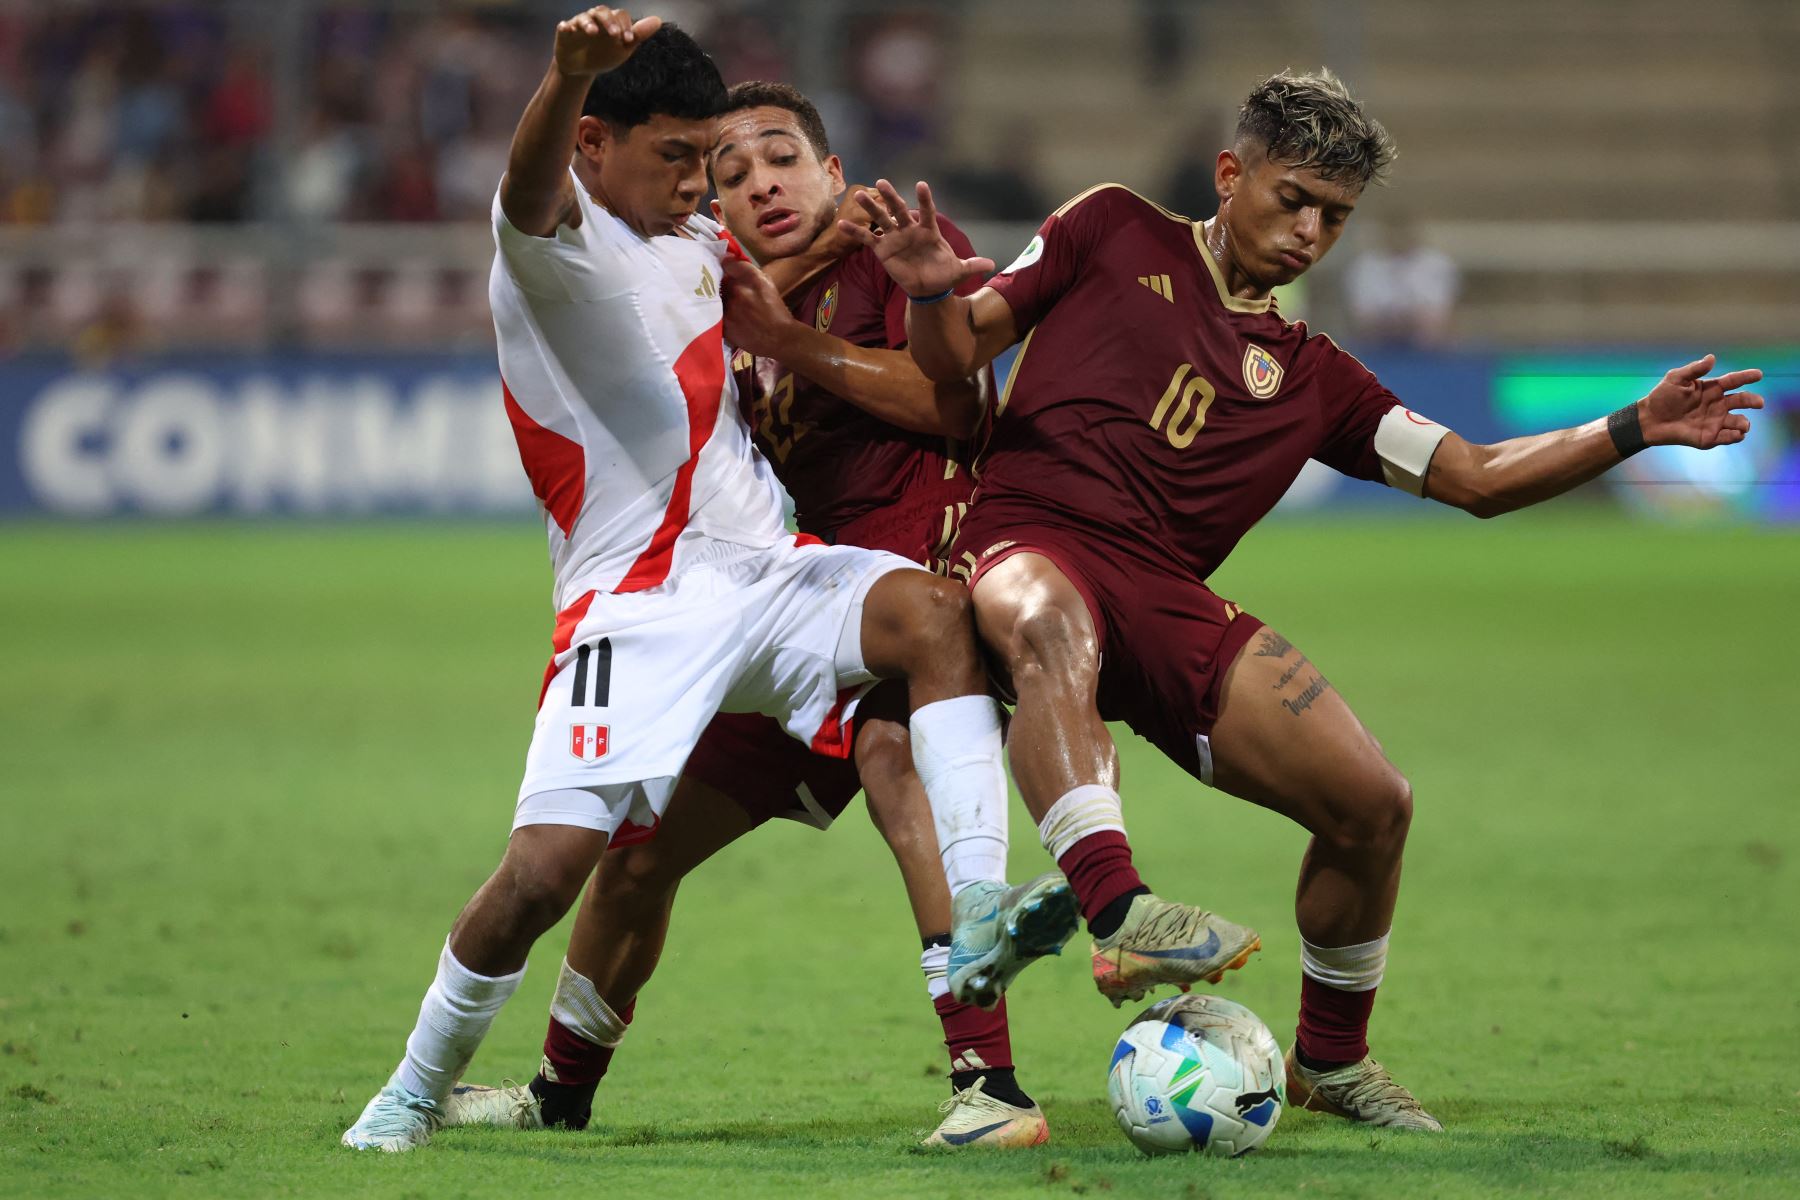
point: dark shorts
(751, 758)
(1166, 639)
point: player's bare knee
(636, 879)
(1378, 819)
(883, 754)
(943, 617)
(540, 894)
(1051, 643)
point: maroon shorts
(751, 758)
(1166, 639)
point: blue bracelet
(943, 295)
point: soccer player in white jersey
(679, 591)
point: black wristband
(943, 295)
(1627, 433)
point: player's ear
(592, 137)
(1226, 173)
(834, 170)
(718, 212)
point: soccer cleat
(508, 1106)
(1362, 1091)
(974, 1118)
(396, 1120)
(997, 931)
(1161, 942)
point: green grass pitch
(251, 771)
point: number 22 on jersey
(1181, 412)
(773, 415)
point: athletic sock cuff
(1089, 809)
(1357, 968)
(935, 962)
(577, 1007)
(477, 993)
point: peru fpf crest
(827, 309)
(1262, 374)
(588, 742)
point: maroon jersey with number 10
(1149, 406)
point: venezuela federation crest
(827, 309)
(1262, 374)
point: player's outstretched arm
(1685, 409)
(887, 384)
(951, 337)
(536, 195)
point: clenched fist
(599, 39)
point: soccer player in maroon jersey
(1159, 407)
(857, 434)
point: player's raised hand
(600, 39)
(909, 243)
(756, 319)
(1688, 409)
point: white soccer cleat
(1362, 1091)
(974, 1118)
(508, 1106)
(396, 1120)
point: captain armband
(1405, 442)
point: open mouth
(778, 221)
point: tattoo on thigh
(1304, 700)
(1290, 673)
(1273, 645)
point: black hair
(758, 93)
(668, 75)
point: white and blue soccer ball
(1197, 1073)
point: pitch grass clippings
(251, 771)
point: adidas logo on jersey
(707, 287)
(1160, 285)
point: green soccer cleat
(1162, 943)
(997, 931)
(1362, 1091)
(508, 1106)
(396, 1121)
(972, 1118)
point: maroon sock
(1099, 869)
(975, 1039)
(1334, 1025)
(572, 1057)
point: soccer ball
(1197, 1073)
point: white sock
(1090, 808)
(577, 1007)
(454, 1017)
(1357, 968)
(956, 750)
(935, 962)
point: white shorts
(778, 632)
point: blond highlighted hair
(1312, 121)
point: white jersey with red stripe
(613, 365)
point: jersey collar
(1234, 303)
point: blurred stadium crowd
(225, 174)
